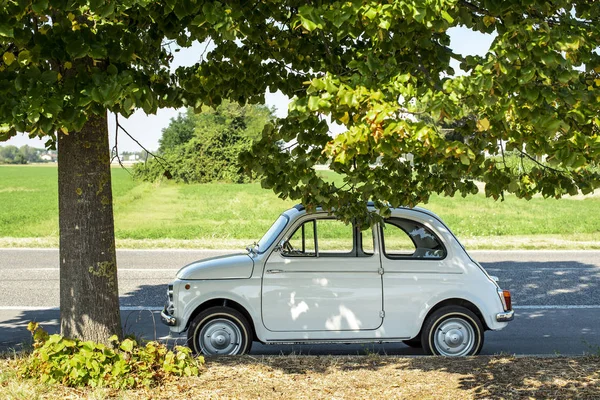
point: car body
(312, 278)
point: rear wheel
(452, 331)
(220, 331)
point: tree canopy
(384, 72)
(204, 147)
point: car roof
(299, 208)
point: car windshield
(267, 240)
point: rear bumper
(505, 316)
(167, 319)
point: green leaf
(447, 17)
(313, 103)
(6, 30)
(309, 18)
(464, 159)
(8, 58)
(127, 345)
(40, 6)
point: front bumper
(505, 316)
(166, 318)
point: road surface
(556, 296)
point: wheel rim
(454, 337)
(220, 336)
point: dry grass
(364, 377)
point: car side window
(334, 237)
(328, 238)
(403, 238)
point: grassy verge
(371, 376)
(169, 215)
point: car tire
(415, 343)
(452, 331)
(219, 331)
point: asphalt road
(556, 296)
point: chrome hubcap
(220, 336)
(454, 337)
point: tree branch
(115, 148)
(159, 159)
(542, 165)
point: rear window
(403, 238)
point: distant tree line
(204, 147)
(20, 155)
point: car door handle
(274, 271)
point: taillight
(507, 300)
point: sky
(147, 129)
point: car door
(417, 268)
(326, 277)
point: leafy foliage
(73, 362)
(385, 75)
(179, 131)
(204, 147)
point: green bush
(126, 365)
(204, 147)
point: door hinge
(381, 314)
(380, 271)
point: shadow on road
(548, 283)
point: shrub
(204, 147)
(72, 362)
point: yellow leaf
(345, 118)
(483, 125)
(597, 82)
(64, 130)
(8, 58)
(59, 77)
(489, 20)
(68, 65)
(71, 16)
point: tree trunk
(89, 296)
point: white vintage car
(313, 279)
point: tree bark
(89, 296)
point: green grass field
(231, 215)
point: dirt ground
(359, 377)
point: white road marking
(50, 308)
(174, 269)
(532, 269)
(232, 251)
(557, 307)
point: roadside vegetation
(221, 215)
(365, 376)
(203, 147)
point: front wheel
(219, 331)
(452, 331)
